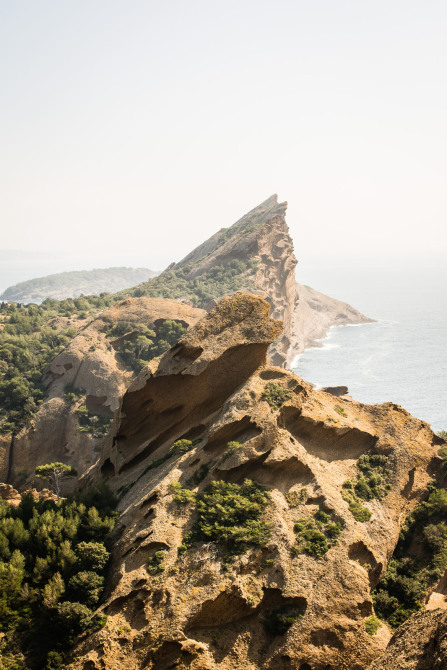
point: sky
(133, 130)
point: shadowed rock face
(200, 612)
(419, 644)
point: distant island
(78, 282)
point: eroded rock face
(262, 235)
(419, 644)
(90, 362)
(204, 613)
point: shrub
(371, 483)
(182, 495)
(86, 586)
(181, 447)
(340, 410)
(92, 556)
(409, 576)
(276, 395)
(155, 562)
(317, 534)
(295, 498)
(372, 624)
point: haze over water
(403, 357)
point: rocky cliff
(84, 385)
(262, 236)
(243, 538)
(256, 253)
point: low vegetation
(32, 335)
(276, 395)
(315, 535)
(228, 514)
(419, 560)
(372, 624)
(53, 558)
(371, 483)
(214, 283)
(138, 344)
(278, 622)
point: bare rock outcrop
(419, 644)
(197, 609)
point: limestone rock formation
(262, 236)
(180, 600)
(419, 644)
(92, 364)
(260, 245)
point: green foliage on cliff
(371, 483)
(216, 282)
(227, 514)
(53, 558)
(276, 395)
(317, 534)
(30, 337)
(418, 562)
(137, 344)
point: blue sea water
(403, 356)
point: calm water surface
(401, 358)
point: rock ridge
(182, 603)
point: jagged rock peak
(259, 215)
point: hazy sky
(135, 129)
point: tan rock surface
(263, 236)
(91, 363)
(201, 613)
(419, 644)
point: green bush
(317, 534)
(181, 447)
(230, 515)
(372, 482)
(95, 424)
(91, 556)
(182, 495)
(276, 395)
(372, 624)
(155, 562)
(410, 574)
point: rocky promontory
(241, 540)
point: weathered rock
(262, 236)
(419, 644)
(203, 613)
(90, 363)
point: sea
(402, 356)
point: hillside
(255, 254)
(260, 523)
(76, 283)
(256, 514)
